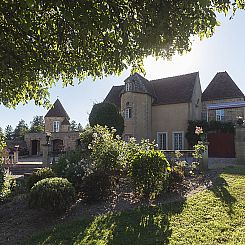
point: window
(129, 86)
(178, 140)
(220, 115)
(56, 126)
(128, 113)
(162, 140)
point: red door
(221, 145)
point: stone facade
(148, 119)
(61, 137)
(230, 115)
(240, 144)
(49, 124)
(159, 110)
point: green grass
(215, 216)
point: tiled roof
(142, 85)
(65, 122)
(173, 90)
(169, 90)
(57, 110)
(114, 95)
(221, 87)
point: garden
(116, 192)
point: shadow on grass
(219, 188)
(237, 170)
(144, 225)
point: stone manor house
(57, 128)
(160, 109)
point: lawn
(213, 216)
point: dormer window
(129, 86)
(56, 126)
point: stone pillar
(240, 144)
(11, 156)
(46, 160)
(204, 159)
(16, 154)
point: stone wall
(240, 144)
(230, 114)
(70, 140)
(41, 137)
(49, 124)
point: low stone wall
(240, 144)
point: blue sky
(225, 51)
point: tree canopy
(43, 41)
(21, 130)
(106, 114)
(9, 132)
(37, 125)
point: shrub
(86, 137)
(98, 186)
(71, 167)
(39, 175)
(8, 186)
(176, 175)
(53, 194)
(106, 150)
(106, 114)
(149, 172)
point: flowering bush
(110, 153)
(71, 166)
(106, 150)
(8, 186)
(199, 132)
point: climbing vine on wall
(218, 126)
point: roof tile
(57, 110)
(222, 87)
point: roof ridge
(197, 72)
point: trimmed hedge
(53, 194)
(39, 175)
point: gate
(221, 145)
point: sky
(224, 51)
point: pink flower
(198, 130)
